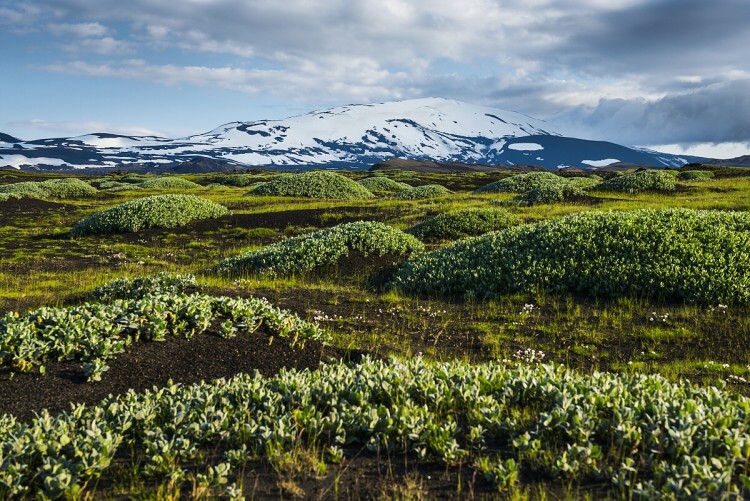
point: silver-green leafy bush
(140, 287)
(425, 191)
(239, 180)
(313, 184)
(548, 194)
(462, 223)
(584, 182)
(521, 183)
(96, 332)
(158, 211)
(326, 247)
(52, 188)
(696, 175)
(169, 183)
(639, 182)
(382, 184)
(637, 437)
(700, 256)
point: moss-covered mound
(314, 184)
(462, 223)
(239, 180)
(426, 191)
(323, 248)
(23, 189)
(170, 183)
(698, 256)
(381, 184)
(641, 181)
(521, 183)
(158, 211)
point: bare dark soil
(147, 364)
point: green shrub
(313, 184)
(158, 211)
(95, 332)
(698, 256)
(584, 182)
(639, 182)
(548, 194)
(672, 172)
(382, 184)
(134, 178)
(326, 247)
(140, 287)
(521, 183)
(462, 223)
(24, 189)
(426, 191)
(170, 183)
(68, 188)
(115, 186)
(696, 175)
(239, 180)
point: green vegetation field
(410, 336)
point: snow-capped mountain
(355, 136)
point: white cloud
(82, 30)
(71, 128)
(710, 150)
(105, 46)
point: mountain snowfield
(354, 136)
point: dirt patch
(148, 364)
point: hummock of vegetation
(140, 287)
(699, 256)
(636, 434)
(382, 184)
(641, 181)
(696, 175)
(521, 183)
(313, 184)
(584, 182)
(462, 223)
(425, 191)
(158, 211)
(169, 183)
(548, 194)
(52, 188)
(239, 180)
(326, 247)
(96, 332)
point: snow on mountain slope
(354, 136)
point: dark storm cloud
(657, 37)
(708, 115)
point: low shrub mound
(584, 182)
(696, 175)
(115, 186)
(382, 184)
(313, 184)
(96, 332)
(238, 180)
(683, 254)
(140, 287)
(639, 437)
(426, 191)
(326, 247)
(549, 194)
(52, 188)
(462, 223)
(68, 188)
(170, 183)
(521, 183)
(639, 182)
(158, 211)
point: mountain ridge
(352, 136)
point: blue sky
(670, 74)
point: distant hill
(356, 136)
